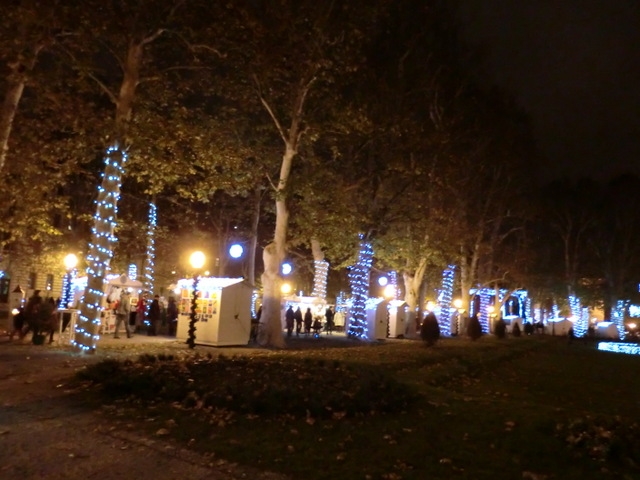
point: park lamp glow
(457, 303)
(431, 306)
(383, 281)
(197, 259)
(236, 250)
(286, 288)
(390, 291)
(286, 268)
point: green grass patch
(533, 408)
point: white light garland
(321, 272)
(617, 317)
(359, 281)
(445, 297)
(100, 250)
(628, 348)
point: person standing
(31, 312)
(141, 310)
(122, 313)
(172, 316)
(298, 317)
(289, 317)
(308, 320)
(154, 316)
(329, 316)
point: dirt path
(46, 433)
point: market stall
(223, 311)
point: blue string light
(445, 297)
(359, 281)
(321, 272)
(617, 317)
(100, 250)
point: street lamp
(70, 262)
(197, 260)
(286, 288)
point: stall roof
(209, 283)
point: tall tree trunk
(100, 248)
(321, 267)
(412, 283)
(253, 242)
(273, 256)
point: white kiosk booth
(397, 318)
(377, 318)
(223, 311)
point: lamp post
(196, 260)
(457, 303)
(70, 262)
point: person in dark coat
(289, 317)
(329, 316)
(154, 316)
(308, 320)
(172, 316)
(298, 318)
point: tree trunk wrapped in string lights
(359, 280)
(100, 250)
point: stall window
(49, 284)
(31, 283)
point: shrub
(516, 330)
(528, 328)
(474, 329)
(430, 330)
(500, 328)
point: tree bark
(100, 250)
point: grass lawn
(528, 408)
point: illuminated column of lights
(133, 271)
(150, 258)
(393, 280)
(67, 291)
(617, 317)
(485, 302)
(581, 323)
(528, 311)
(320, 274)
(341, 302)
(575, 307)
(555, 310)
(254, 302)
(446, 296)
(359, 281)
(100, 250)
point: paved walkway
(46, 433)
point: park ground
(534, 408)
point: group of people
(150, 315)
(310, 323)
(38, 316)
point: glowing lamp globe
(197, 260)
(70, 261)
(457, 303)
(286, 288)
(286, 268)
(236, 250)
(390, 291)
(383, 281)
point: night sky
(574, 66)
